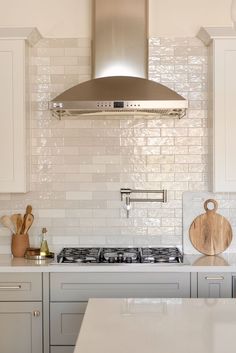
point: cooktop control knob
(111, 259)
(120, 257)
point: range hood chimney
(119, 67)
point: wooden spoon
(28, 222)
(27, 211)
(6, 222)
(19, 223)
(14, 218)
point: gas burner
(161, 255)
(120, 255)
(83, 255)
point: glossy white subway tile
(51, 213)
(79, 166)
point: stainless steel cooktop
(121, 255)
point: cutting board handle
(214, 203)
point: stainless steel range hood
(120, 56)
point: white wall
(72, 18)
(184, 17)
(53, 18)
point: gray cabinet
(214, 285)
(69, 293)
(21, 327)
(82, 286)
(66, 319)
(20, 287)
(21, 313)
(30, 308)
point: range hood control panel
(118, 104)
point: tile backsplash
(79, 166)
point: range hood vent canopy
(119, 94)
(119, 66)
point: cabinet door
(20, 327)
(65, 322)
(224, 115)
(12, 116)
(214, 285)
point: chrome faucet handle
(124, 193)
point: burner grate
(161, 254)
(120, 255)
(70, 255)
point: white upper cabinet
(15, 108)
(222, 107)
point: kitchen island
(158, 326)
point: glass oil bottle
(44, 250)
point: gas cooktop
(120, 255)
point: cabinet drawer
(65, 322)
(20, 286)
(62, 349)
(214, 285)
(82, 286)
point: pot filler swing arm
(126, 196)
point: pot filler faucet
(126, 196)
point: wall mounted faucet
(126, 195)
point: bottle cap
(44, 230)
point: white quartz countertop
(192, 263)
(158, 326)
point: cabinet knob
(36, 313)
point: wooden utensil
(6, 222)
(28, 222)
(14, 219)
(19, 223)
(210, 233)
(27, 211)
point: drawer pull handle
(216, 278)
(10, 287)
(36, 313)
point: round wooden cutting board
(210, 233)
